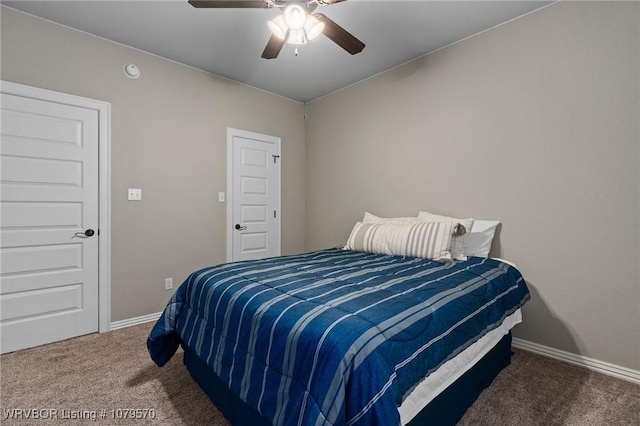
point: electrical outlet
(134, 194)
(168, 283)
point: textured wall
(534, 123)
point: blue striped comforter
(334, 337)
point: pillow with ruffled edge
(459, 243)
(429, 240)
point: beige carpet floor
(104, 375)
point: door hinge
(275, 158)
(274, 214)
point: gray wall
(168, 137)
(534, 123)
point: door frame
(104, 182)
(232, 133)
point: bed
(344, 337)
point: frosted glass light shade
(313, 27)
(278, 27)
(294, 16)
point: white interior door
(49, 202)
(253, 214)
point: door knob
(240, 227)
(87, 233)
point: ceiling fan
(296, 25)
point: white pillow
(459, 243)
(429, 240)
(480, 238)
(371, 218)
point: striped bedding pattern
(334, 337)
(430, 240)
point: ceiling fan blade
(273, 47)
(340, 36)
(220, 4)
(328, 1)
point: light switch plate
(134, 194)
(221, 197)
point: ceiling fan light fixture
(278, 27)
(295, 25)
(294, 16)
(313, 27)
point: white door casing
(253, 201)
(54, 282)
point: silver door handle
(240, 227)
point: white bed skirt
(453, 369)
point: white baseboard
(135, 321)
(583, 361)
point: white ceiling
(229, 42)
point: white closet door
(49, 222)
